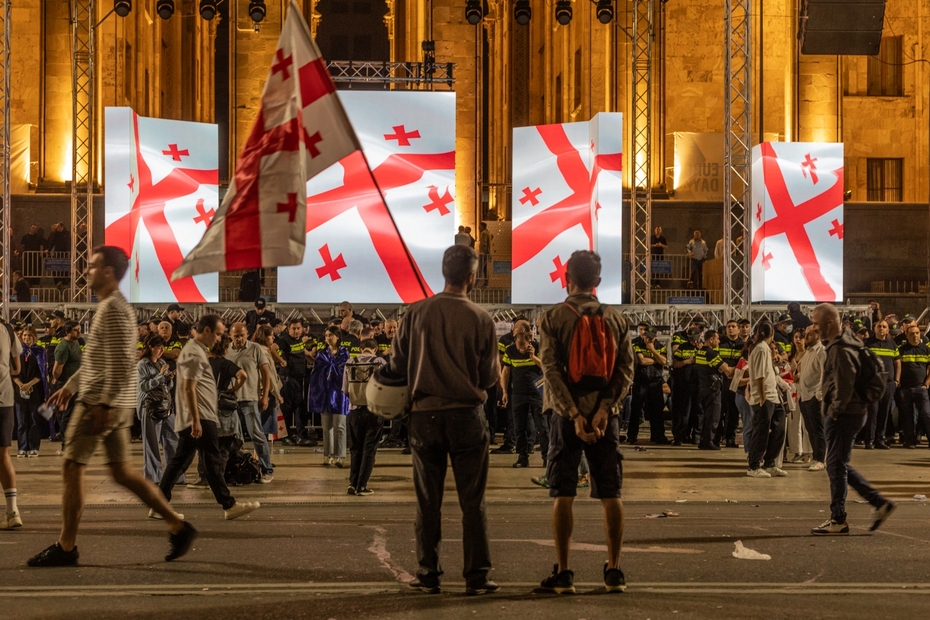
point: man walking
(844, 413)
(447, 348)
(584, 422)
(107, 383)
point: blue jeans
(745, 413)
(913, 405)
(840, 435)
(253, 421)
(157, 433)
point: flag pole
(413, 264)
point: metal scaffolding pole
(83, 14)
(5, 271)
(641, 132)
(737, 157)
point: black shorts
(605, 463)
(6, 427)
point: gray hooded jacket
(839, 376)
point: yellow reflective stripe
(521, 363)
(883, 352)
(916, 359)
(506, 360)
(501, 346)
(684, 353)
(297, 347)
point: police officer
(913, 381)
(521, 370)
(293, 348)
(906, 322)
(783, 334)
(710, 369)
(730, 349)
(685, 396)
(650, 357)
(885, 349)
(504, 414)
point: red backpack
(592, 353)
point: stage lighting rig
(474, 12)
(208, 9)
(522, 12)
(122, 7)
(563, 12)
(605, 11)
(257, 10)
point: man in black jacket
(844, 413)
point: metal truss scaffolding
(737, 157)
(641, 124)
(5, 271)
(83, 13)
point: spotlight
(257, 10)
(522, 12)
(207, 9)
(473, 12)
(563, 12)
(165, 8)
(122, 7)
(605, 11)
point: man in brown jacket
(446, 346)
(584, 423)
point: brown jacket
(555, 335)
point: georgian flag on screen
(161, 193)
(797, 222)
(353, 249)
(567, 196)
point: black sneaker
(424, 584)
(505, 449)
(880, 445)
(882, 513)
(560, 583)
(55, 556)
(614, 581)
(523, 461)
(181, 542)
(485, 587)
(306, 442)
(406, 450)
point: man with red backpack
(588, 367)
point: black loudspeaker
(841, 27)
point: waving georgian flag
(797, 222)
(300, 131)
(567, 196)
(353, 250)
(161, 191)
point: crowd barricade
(55, 265)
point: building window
(885, 75)
(558, 98)
(576, 95)
(885, 181)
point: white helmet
(387, 395)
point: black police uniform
(503, 417)
(526, 402)
(710, 383)
(879, 412)
(293, 390)
(913, 401)
(685, 396)
(730, 351)
(648, 400)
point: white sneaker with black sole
(240, 509)
(831, 528)
(155, 515)
(776, 472)
(758, 473)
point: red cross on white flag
(409, 141)
(567, 196)
(797, 228)
(161, 191)
(301, 130)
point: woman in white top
(768, 416)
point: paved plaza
(313, 552)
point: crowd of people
(208, 388)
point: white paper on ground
(742, 553)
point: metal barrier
(46, 265)
(669, 267)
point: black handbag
(227, 403)
(157, 403)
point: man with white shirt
(697, 251)
(253, 395)
(768, 415)
(810, 369)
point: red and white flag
(797, 222)
(567, 196)
(354, 250)
(300, 131)
(161, 192)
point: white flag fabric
(161, 192)
(797, 222)
(353, 249)
(300, 131)
(567, 196)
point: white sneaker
(32, 454)
(328, 461)
(816, 466)
(776, 472)
(155, 515)
(21, 454)
(758, 473)
(267, 478)
(239, 509)
(340, 463)
(11, 521)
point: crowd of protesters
(200, 391)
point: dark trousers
(813, 422)
(729, 416)
(29, 423)
(207, 445)
(685, 405)
(526, 413)
(647, 403)
(294, 406)
(436, 437)
(840, 435)
(913, 404)
(882, 414)
(710, 408)
(697, 273)
(768, 434)
(364, 435)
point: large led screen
(161, 194)
(354, 251)
(567, 196)
(797, 222)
